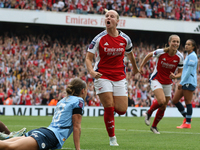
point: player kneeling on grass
(66, 119)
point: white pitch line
(125, 130)
(144, 131)
(73, 148)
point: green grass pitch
(131, 133)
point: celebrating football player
(110, 82)
(168, 60)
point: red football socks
(153, 107)
(109, 121)
(158, 117)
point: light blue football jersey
(61, 123)
(189, 74)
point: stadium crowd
(188, 10)
(35, 70)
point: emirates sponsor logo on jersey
(167, 65)
(113, 51)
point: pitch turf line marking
(73, 148)
(124, 130)
(145, 131)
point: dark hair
(194, 45)
(75, 86)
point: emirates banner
(94, 20)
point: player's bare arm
(88, 61)
(76, 120)
(145, 61)
(133, 62)
(178, 75)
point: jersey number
(58, 112)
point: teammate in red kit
(109, 71)
(168, 60)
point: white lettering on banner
(81, 21)
(18, 110)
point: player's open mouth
(108, 22)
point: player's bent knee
(161, 102)
(120, 112)
(163, 107)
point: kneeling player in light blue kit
(67, 119)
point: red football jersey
(166, 64)
(110, 54)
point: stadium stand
(188, 10)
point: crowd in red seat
(36, 69)
(188, 10)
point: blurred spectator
(54, 101)
(149, 12)
(9, 100)
(131, 102)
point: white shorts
(119, 88)
(155, 84)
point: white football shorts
(119, 88)
(155, 84)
